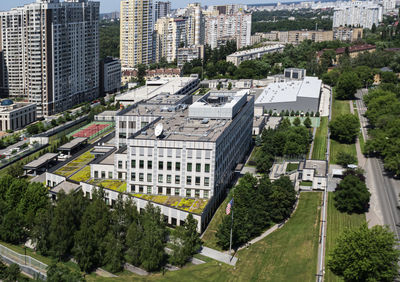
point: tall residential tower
(50, 53)
(136, 42)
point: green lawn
(209, 238)
(337, 223)
(320, 141)
(292, 167)
(340, 107)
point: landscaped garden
(112, 184)
(292, 166)
(337, 222)
(82, 175)
(75, 165)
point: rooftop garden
(112, 184)
(75, 165)
(187, 204)
(82, 175)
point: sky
(113, 5)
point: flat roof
(73, 144)
(155, 87)
(281, 92)
(108, 113)
(257, 50)
(66, 186)
(43, 160)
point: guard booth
(41, 164)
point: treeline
(90, 231)
(11, 273)
(257, 204)
(286, 140)
(383, 115)
(297, 24)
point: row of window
(168, 191)
(168, 165)
(168, 179)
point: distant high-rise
(161, 9)
(357, 14)
(195, 25)
(170, 35)
(50, 53)
(136, 34)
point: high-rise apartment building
(161, 9)
(170, 35)
(195, 24)
(357, 14)
(136, 34)
(235, 26)
(50, 53)
(389, 5)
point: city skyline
(107, 6)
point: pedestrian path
(219, 256)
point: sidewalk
(219, 256)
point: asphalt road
(386, 187)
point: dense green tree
(133, 242)
(351, 195)
(345, 158)
(389, 77)
(347, 85)
(345, 128)
(364, 254)
(297, 121)
(114, 253)
(12, 229)
(61, 273)
(12, 274)
(282, 199)
(365, 75)
(40, 231)
(307, 122)
(141, 73)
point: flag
(229, 207)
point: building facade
(136, 33)
(189, 54)
(15, 116)
(161, 9)
(110, 75)
(253, 54)
(170, 35)
(357, 14)
(236, 26)
(195, 24)
(50, 53)
(347, 33)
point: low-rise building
(253, 54)
(347, 33)
(224, 83)
(15, 116)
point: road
(386, 188)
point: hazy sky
(113, 5)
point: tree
(133, 242)
(347, 86)
(141, 73)
(345, 158)
(307, 122)
(389, 77)
(12, 229)
(282, 199)
(61, 273)
(345, 128)
(297, 121)
(230, 86)
(351, 195)
(40, 230)
(365, 254)
(12, 273)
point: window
(189, 167)
(177, 179)
(131, 124)
(188, 180)
(169, 165)
(96, 174)
(133, 188)
(149, 177)
(140, 189)
(133, 163)
(205, 194)
(188, 193)
(149, 189)
(169, 178)
(160, 178)
(141, 177)
(197, 193)
(198, 167)
(161, 152)
(198, 180)
(119, 164)
(110, 174)
(119, 175)
(160, 165)
(133, 176)
(206, 181)
(198, 154)
(178, 166)
(122, 135)
(103, 174)
(149, 164)
(141, 164)
(176, 192)
(159, 190)
(207, 167)
(143, 124)
(168, 191)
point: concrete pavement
(219, 256)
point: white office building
(110, 76)
(357, 14)
(50, 53)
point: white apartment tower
(161, 9)
(136, 34)
(170, 35)
(50, 53)
(224, 27)
(357, 14)
(195, 24)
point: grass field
(320, 141)
(337, 223)
(340, 107)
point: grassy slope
(319, 149)
(339, 108)
(337, 223)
